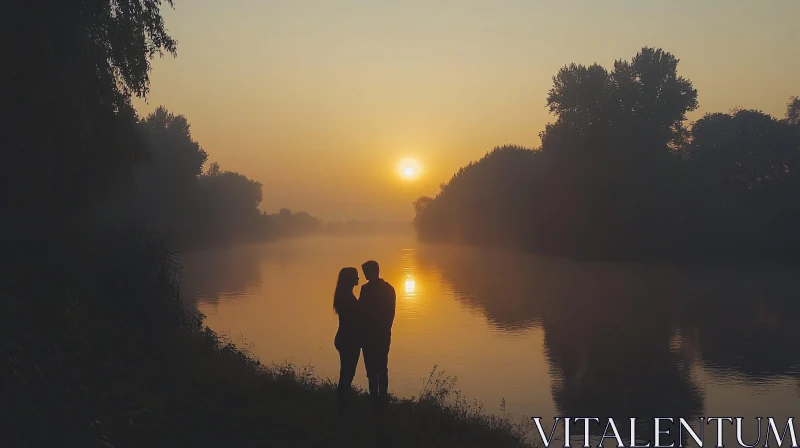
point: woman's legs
(348, 357)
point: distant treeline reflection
(620, 175)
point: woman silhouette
(347, 340)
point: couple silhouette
(365, 324)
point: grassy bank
(98, 350)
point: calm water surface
(550, 336)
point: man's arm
(393, 302)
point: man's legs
(372, 370)
(376, 360)
(382, 363)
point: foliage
(172, 196)
(287, 224)
(70, 134)
(793, 111)
(746, 166)
(173, 150)
(467, 205)
(746, 150)
(232, 193)
(619, 175)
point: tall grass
(98, 350)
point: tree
(421, 204)
(746, 165)
(747, 162)
(483, 202)
(652, 99)
(613, 145)
(603, 180)
(793, 110)
(70, 71)
(743, 151)
(174, 154)
(213, 169)
(163, 196)
(233, 193)
(642, 103)
(228, 206)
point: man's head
(371, 270)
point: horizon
(299, 96)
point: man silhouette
(377, 303)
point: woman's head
(348, 278)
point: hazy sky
(320, 99)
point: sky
(319, 100)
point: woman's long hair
(348, 278)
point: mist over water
(548, 335)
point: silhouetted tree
(613, 144)
(744, 152)
(171, 195)
(288, 224)
(163, 196)
(173, 150)
(421, 204)
(793, 110)
(70, 69)
(213, 169)
(747, 165)
(229, 206)
(234, 192)
(482, 202)
(619, 175)
(600, 182)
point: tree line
(77, 155)
(619, 174)
(173, 195)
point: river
(548, 336)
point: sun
(409, 168)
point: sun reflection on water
(410, 286)
(409, 280)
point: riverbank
(98, 349)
